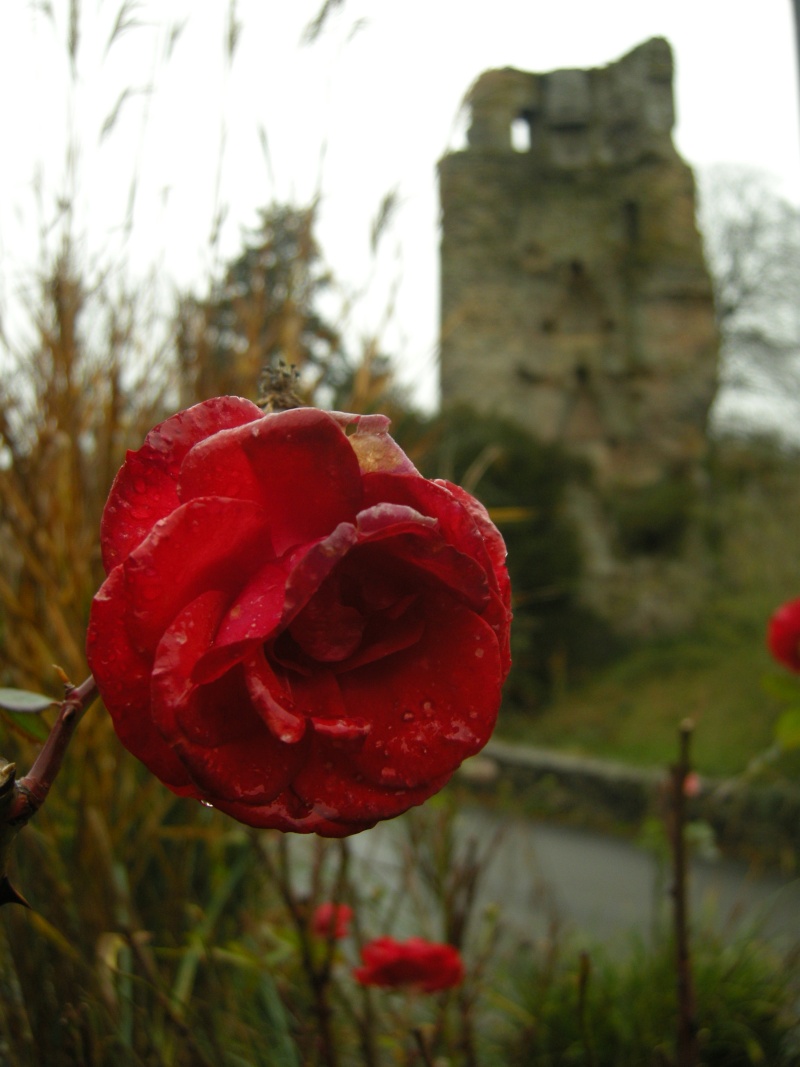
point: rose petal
(271, 702)
(172, 687)
(428, 553)
(336, 789)
(214, 728)
(342, 731)
(145, 488)
(497, 615)
(389, 519)
(464, 523)
(123, 677)
(297, 464)
(375, 449)
(384, 636)
(205, 544)
(249, 622)
(491, 536)
(288, 813)
(326, 629)
(430, 706)
(303, 570)
(310, 566)
(313, 694)
(455, 521)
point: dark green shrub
(653, 520)
(746, 1008)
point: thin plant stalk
(687, 1018)
(21, 798)
(317, 975)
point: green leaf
(22, 701)
(787, 729)
(282, 1047)
(29, 726)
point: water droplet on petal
(181, 638)
(206, 803)
(389, 774)
(408, 716)
(427, 706)
(479, 653)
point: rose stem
(422, 1045)
(687, 1022)
(318, 977)
(32, 790)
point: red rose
(422, 964)
(297, 627)
(783, 635)
(331, 920)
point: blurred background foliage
(161, 935)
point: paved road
(598, 886)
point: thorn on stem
(10, 895)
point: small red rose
(424, 965)
(296, 627)
(783, 635)
(331, 920)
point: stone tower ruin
(575, 298)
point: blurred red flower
(692, 786)
(297, 627)
(331, 920)
(783, 635)
(424, 965)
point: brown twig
(318, 974)
(32, 790)
(584, 974)
(422, 1045)
(20, 799)
(687, 1020)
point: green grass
(631, 711)
(745, 1001)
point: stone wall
(758, 822)
(575, 297)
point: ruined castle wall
(575, 297)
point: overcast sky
(370, 107)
